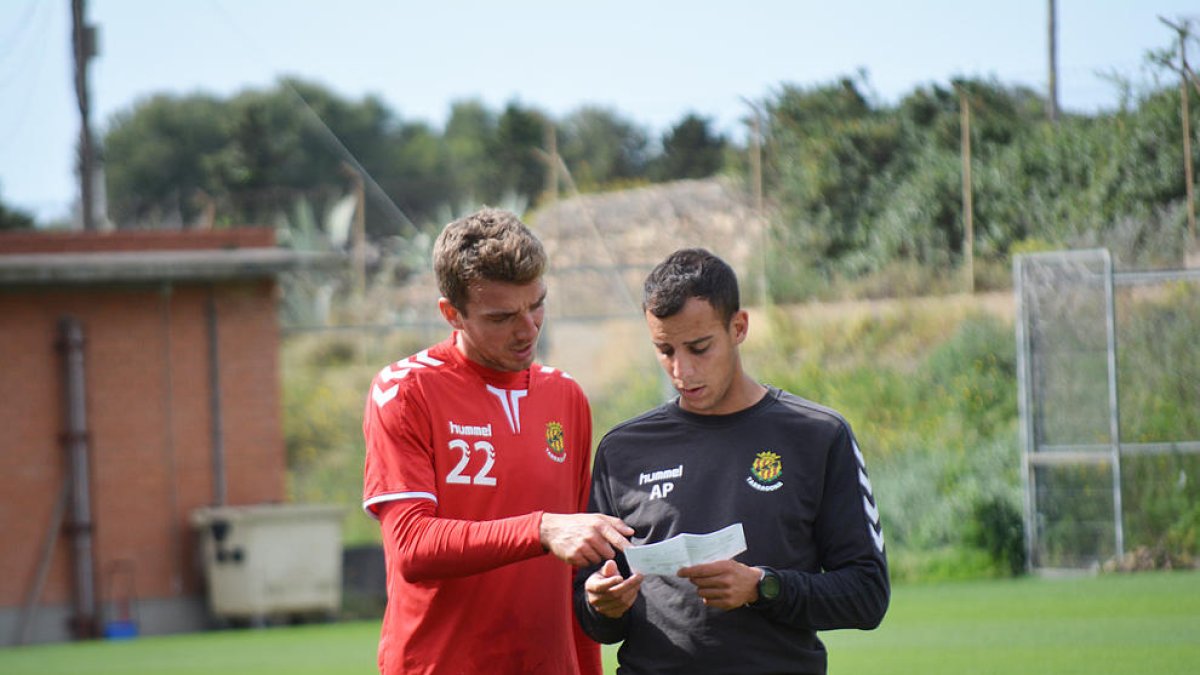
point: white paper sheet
(684, 550)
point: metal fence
(1108, 370)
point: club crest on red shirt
(556, 446)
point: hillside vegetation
(928, 385)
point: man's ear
(450, 313)
(741, 326)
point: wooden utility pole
(1052, 79)
(1187, 133)
(1182, 30)
(964, 106)
(1185, 118)
(83, 38)
(1187, 144)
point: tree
(14, 219)
(600, 147)
(415, 174)
(519, 133)
(829, 148)
(690, 149)
(160, 154)
(292, 140)
(863, 186)
(470, 137)
(258, 154)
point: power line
(32, 59)
(21, 28)
(25, 43)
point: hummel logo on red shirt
(471, 430)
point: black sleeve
(853, 589)
(599, 627)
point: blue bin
(120, 630)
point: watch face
(768, 587)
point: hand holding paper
(684, 550)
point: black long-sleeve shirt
(790, 471)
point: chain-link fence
(1109, 391)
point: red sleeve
(398, 461)
(431, 548)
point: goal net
(1108, 368)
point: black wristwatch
(768, 587)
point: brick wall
(150, 426)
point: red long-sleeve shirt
(461, 463)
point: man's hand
(609, 593)
(581, 539)
(725, 584)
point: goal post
(1108, 379)
(1069, 408)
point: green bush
(997, 527)
(862, 186)
(943, 563)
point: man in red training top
(478, 464)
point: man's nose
(527, 325)
(681, 368)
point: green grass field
(1144, 623)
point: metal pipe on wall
(171, 464)
(214, 384)
(83, 621)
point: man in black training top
(730, 450)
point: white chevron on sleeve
(877, 536)
(873, 527)
(424, 357)
(397, 371)
(382, 396)
(872, 511)
(548, 370)
(865, 482)
(862, 469)
(858, 453)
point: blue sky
(652, 61)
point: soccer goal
(1108, 373)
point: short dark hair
(691, 273)
(490, 244)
